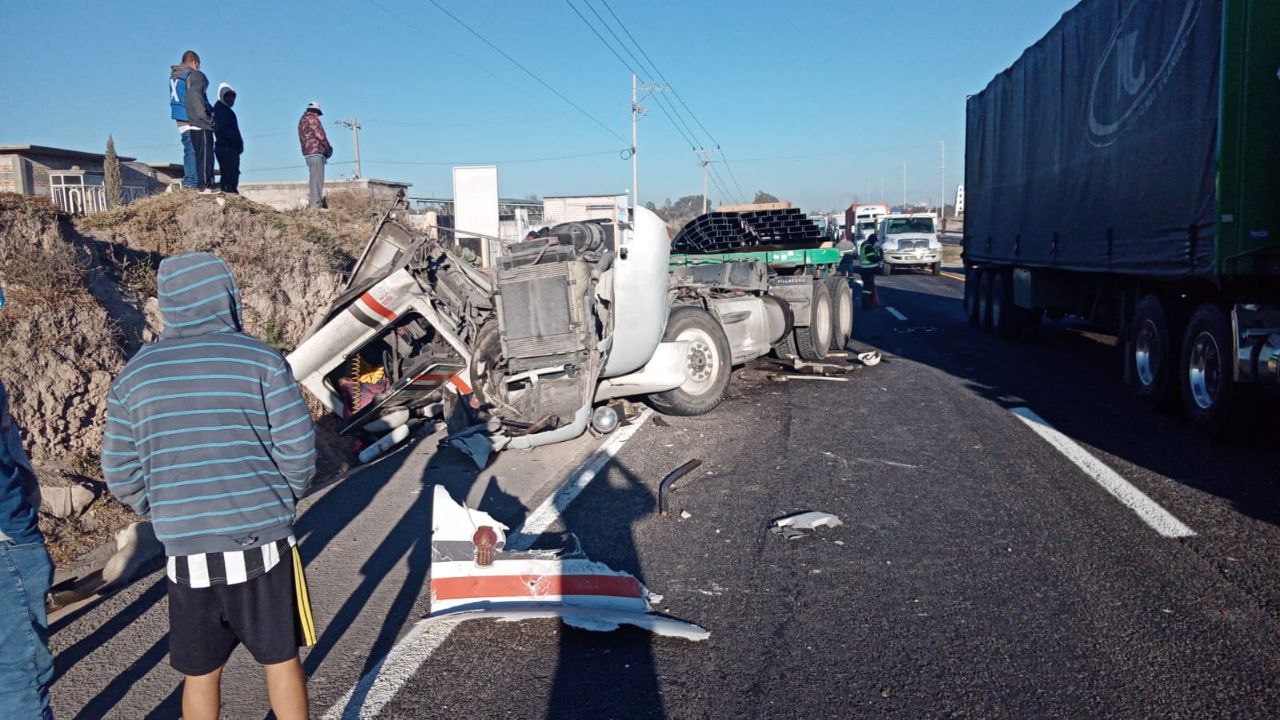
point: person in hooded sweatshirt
(26, 667)
(228, 145)
(208, 436)
(189, 107)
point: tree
(764, 197)
(111, 169)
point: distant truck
(861, 220)
(910, 241)
(1125, 170)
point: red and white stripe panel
(529, 582)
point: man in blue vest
(189, 107)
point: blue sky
(812, 101)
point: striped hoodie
(207, 432)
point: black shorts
(270, 615)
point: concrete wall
(588, 207)
(292, 194)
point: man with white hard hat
(316, 150)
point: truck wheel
(1150, 353)
(812, 342)
(886, 268)
(984, 299)
(708, 368)
(1209, 391)
(841, 311)
(937, 269)
(1005, 318)
(971, 296)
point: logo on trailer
(1134, 67)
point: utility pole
(705, 160)
(942, 204)
(636, 111)
(354, 125)
(904, 187)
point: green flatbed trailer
(825, 259)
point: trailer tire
(984, 299)
(813, 342)
(710, 363)
(971, 277)
(1005, 316)
(1210, 394)
(1150, 351)
(842, 312)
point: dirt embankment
(81, 301)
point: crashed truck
(538, 345)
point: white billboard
(475, 207)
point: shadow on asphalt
(609, 674)
(1075, 382)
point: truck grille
(913, 244)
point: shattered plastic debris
(870, 358)
(795, 526)
(470, 582)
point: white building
(576, 208)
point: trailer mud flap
(473, 577)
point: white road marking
(380, 685)
(546, 514)
(894, 312)
(1160, 520)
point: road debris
(870, 358)
(792, 527)
(664, 487)
(781, 377)
(474, 577)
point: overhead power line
(527, 71)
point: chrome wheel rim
(822, 324)
(1146, 350)
(703, 361)
(1204, 376)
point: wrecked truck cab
(563, 321)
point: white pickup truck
(910, 241)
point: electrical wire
(527, 71)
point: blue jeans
(189, 179)
(26, 667)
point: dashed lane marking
(379, 685)
(1160, 520)
(894, 312)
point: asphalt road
(980, 571)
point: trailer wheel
(1005, 316)
(971, 278)
(709, 363)
(812, 342)
(984, 299)
(841, 311)
(1150, 354)
(1209, 391)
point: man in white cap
(315, 150)
(228, 144)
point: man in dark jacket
(189, 106)
(228, 145)
(870, 258)
(316, 150)
(208, 434)
(26, 667)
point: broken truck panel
(473, 576)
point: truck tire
(813, 342)
(1210, 394)
(936, 269)
(710, 362)
(984, 299)
(1005, 316)
(841, 311)
(886, 268)
(971, 296)
(1151, 355)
